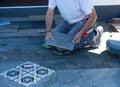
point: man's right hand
(49, 36)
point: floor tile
(27, 73)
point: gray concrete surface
(14, 51)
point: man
(80, 16)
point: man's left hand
(77, 38)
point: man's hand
(49, 36)
(77, 38)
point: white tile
(30, 70)
(32, 81)
(12, 71)
(43, 72)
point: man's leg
(62, 28)
(73, 29)
(84, 41)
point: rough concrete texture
(14, 51)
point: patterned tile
(12, 73)
(27, 80)
(27, 73)
(28, 66)
(42, 72)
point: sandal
(62, 52)
(47, 46)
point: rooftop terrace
(90, 67)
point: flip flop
(46, 46)
(61, 53)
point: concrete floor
(76, 70)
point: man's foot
(47, 46)
(97, 39)
(62, 52)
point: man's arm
(49, 21)
(91, 20)
(49, 18)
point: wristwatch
(48, 30)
